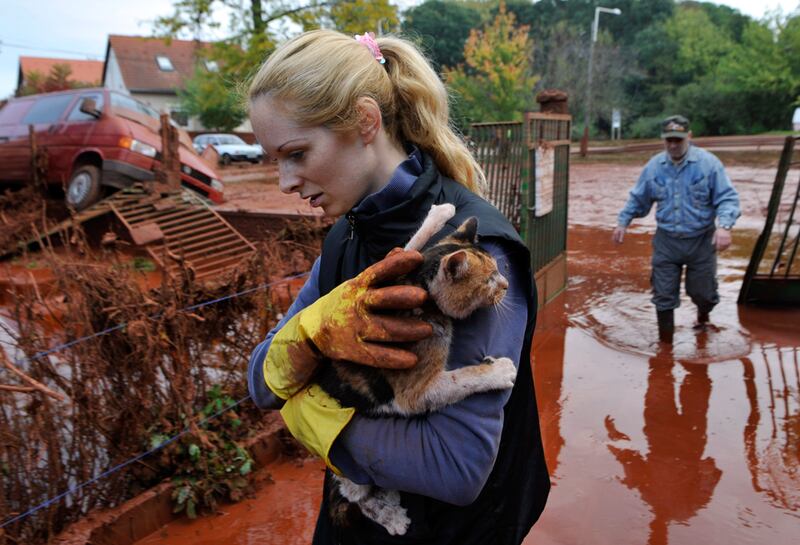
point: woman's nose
(288, 181)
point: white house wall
(113, 78)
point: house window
(164, 63)
(212, 66)
(180, 117)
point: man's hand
(619, 234)
(722, 239)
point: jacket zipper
(351, 219)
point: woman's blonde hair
(321, 74)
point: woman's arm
(449, 454)
(263, 396)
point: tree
(215, 102)
(216, 95)
(700, 43)
(750, 89)
(496, 83)
(442, 28)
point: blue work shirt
(689, 195)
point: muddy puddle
(646, 444)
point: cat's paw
(397, 524)
(502, 373)
(384, 508)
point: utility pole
(587, 111)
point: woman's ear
(369, 118)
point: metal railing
(508, 154)
(773, 274)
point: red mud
(255, 189)
(282, 512)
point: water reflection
(772, 448)
(673, 477)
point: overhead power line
(51, 50)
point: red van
(95, 139)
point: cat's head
(462, 277)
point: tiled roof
(83, 71)
(136, 57)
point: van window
(128, 103)
(13, 112)
(47, 109)
(77, 115)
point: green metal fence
(501, 150)
(773, 275)
(509, 154)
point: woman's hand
(344, 325)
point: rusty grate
(182, 229)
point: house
(153, 70)
(89, 73)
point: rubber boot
(666, 325)
(702, 318)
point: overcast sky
(80, 28)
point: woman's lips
(314, 200)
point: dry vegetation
(69, 416)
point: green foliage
(217, 97)
(442, 28)
(645, 127)
(143, 264)
(700, 43)
(496, 84)
(725, 71)
(214, 100)
(359, 16)
(209, 464)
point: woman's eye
(296, 155)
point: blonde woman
(360, 128)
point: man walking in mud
(696, 208)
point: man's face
(676, 147)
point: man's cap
(675, 126)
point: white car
(229, 147)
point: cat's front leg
(452, 386)
(351, 491)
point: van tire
(84, 187)
(226, 159)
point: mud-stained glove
(316, 419)
(342, 325)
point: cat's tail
(433, 223)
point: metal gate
(527, 170)
(773, 275)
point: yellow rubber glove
(316, 419)
(342, 325)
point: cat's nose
(502, 283)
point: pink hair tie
(368, 39)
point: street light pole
(588, 110)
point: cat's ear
(456, 264)
(468, 231)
